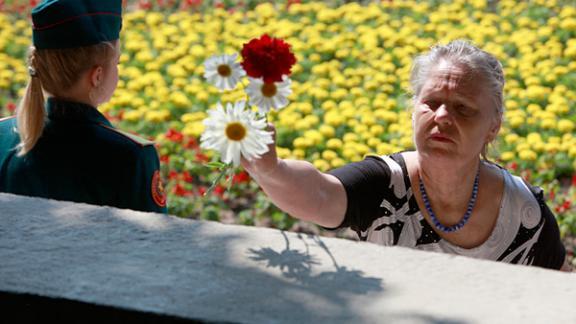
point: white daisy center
(235, 131)
(269, 90)
(224, 70)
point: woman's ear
(494, 129)
(96, 76)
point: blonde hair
(54, 71)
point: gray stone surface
(195, 269)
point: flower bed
(350, 87)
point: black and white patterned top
(382, 209)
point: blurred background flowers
(350, 92)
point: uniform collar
(59, 109)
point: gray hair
(462, 52)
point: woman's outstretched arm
(299, 189)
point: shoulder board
(6, 118)
(134, 138)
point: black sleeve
(549, 250)
(146, 192)
(364, 182)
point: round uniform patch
(158, 193)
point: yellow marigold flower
(350, 137)
(554, 139)
(538, 147)
(406, 142)
(132, 115)
(572, 153)
(516, 121)
(334, 144)
(329, 155)
(301, 124)
(507, 156)
(511, 104)
(305, 107)
(360, 128)
(180, 100)
(299, 153)
(377, 130)
(349, 152)
(532, 108)
(194, 129)
(511, 138)
(321, 165)
(337, 162)
(565, 126)
(373, 142)
(327, 130)
(533, 138)
(527, 155)
(385, 115)
(202, 96)
(314, 136)
(339, 94)
(385, 148)
(302, 143)
(394, 128)
(282, 152)
(315, 57)
(328, 105)
(552, 147)
(157, 116)
(333, 118)
(548, 123)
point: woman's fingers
(267, 161)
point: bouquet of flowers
(236, 130)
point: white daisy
(269, 95)
(223, 71)
(235, 131)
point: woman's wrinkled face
(454, 115)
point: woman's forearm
(302, 191)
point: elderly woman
(444, 196)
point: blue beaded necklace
(464, 220)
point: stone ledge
(191, 270)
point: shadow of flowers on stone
(293, 264)
(298, 265)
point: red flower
(174, 135)
(514, 166)
(187, 177)
(219, 190)
(145, 4)
(267, 58)
(574, 180)
(11, 107)
(200, 157)
(172, 175)
(165, 159)
(191, 144)
(179, 190)
(241, 177)
(291, 2)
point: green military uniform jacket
(81, 157)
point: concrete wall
(209, 271)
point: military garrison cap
(75, 23)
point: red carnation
(268, 58)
